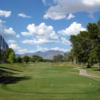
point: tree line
(86, 46)
(9, 56)
(36, 58)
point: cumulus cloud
(22, 51)
(41, 41)
(92, 2)
(17, 48)
(5, 13)
(41, 29)
(14, 46)
(44, 34)
(60, 49)
(65, 41)
(41, 33)
(43, 49)
(23, 15)
(62, 8)
(27, 41)
(73, 29)
(70, 16)
(26, 34)
(9, 31)
(38, 41)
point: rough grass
(47, 81)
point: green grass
(47, 81)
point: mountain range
(45, 54)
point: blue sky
(34, 25)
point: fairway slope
(49, 81)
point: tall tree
(10, 55)
(86, 45)
(81, 46)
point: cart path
(83, 72)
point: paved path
(83, 72)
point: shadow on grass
(11, 69)
(10, 77)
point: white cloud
(62, 8)
(26, 34)
(92, 2)
(17, 48)
(65, 41)
(60, 49)
(4, 13)
(22, 51)
(9, 31)
(73, 29)
(29, 42)
(54, 16)
(23, 15)
(14, 46)
(38, 41)
(70, 16)
(41, 33)
(44, 34)
(43, 49)
(41, 29)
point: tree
(19, 59)
(81, 46)
(58, 58)
(86, 45)
(26, 59)
(36, 58)
(69, 57)
(11, 58)
(10, 55)
(1, 57)
(94, 30)
(98, 24)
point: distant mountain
(49, 54)
(46, 54)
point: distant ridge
(45, 54)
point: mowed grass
(48, 81)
